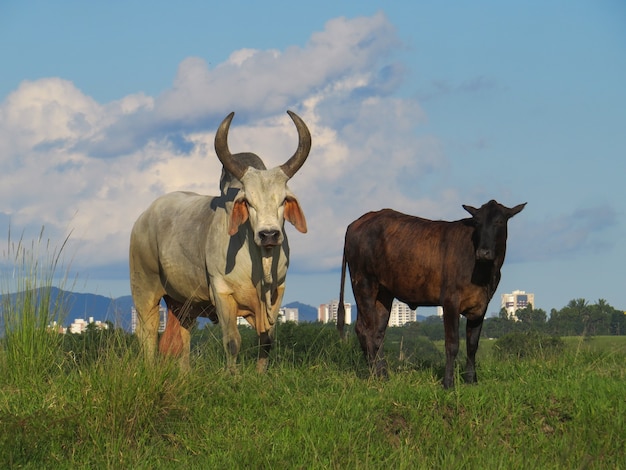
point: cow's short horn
(304, 146)
(236, 168)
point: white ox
(219, 257)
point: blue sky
(418, 106)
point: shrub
(527, 344)
(94, 344)
(419, 352)
(312, 344)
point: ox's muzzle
(270, 238)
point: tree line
(305, 341)
(577, 318)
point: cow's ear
(293, 213)
(470, 209)
(516, 210)
(238, 216)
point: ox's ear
(293, 213)
(238, 215)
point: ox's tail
(341, 310)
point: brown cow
(424, 263)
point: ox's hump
(228, 180)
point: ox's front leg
(266, 326)
(451, 329)
(227, 309)
(472, 337)
(265, 345)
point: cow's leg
(472, 336)
(378, 339)
(451, 329)
(365, 296)
(371, 324)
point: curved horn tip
(236, 168)
(227, 120)
(291, 166)
(293, 115)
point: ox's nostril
(269, 237)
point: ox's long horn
(236, 168)
(304, 146)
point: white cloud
(71, 163)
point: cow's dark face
(490, 229)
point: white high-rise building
(79, 325)
(327, 313)
(401, 313)
(162, 319)
(286, 314)
(516, 300)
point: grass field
(88, 401)
(320, 410)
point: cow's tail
(341, 310)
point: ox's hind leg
(147, 328)
(472, 337)
(176, 338)
(146, 290)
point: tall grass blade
(30, 312)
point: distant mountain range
(73, 305)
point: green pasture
(88, 401)
(317, 407)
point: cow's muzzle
(269, 238)
(485, 255)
